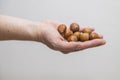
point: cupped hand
(51, 37)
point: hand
(12, 28)
(51, 38)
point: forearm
(12, 28)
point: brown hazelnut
(68, 33)
(74, 27)
(72, 38)
(84, 37)
(62, 28)
(77, 34)
(94, 35)
(87, 30)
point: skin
(12, 28)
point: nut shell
(77, 34)
(73, 34)
(87, 30)
(68, 33)
(72, 38)
(94, 35)
(74, 27)
(62, 28)
(84, 37)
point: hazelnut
(74, 27)
(72, 38)
(68, 33)
(94, 35)
(62, 28)
(73, 33)
(77, 34)
(84, 37)
(87, 30)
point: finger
(67, 47)
(91, 43)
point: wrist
(36, 31)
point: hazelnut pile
(73, 33)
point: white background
(24, 60)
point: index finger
(91, 43)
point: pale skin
(12, 28)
